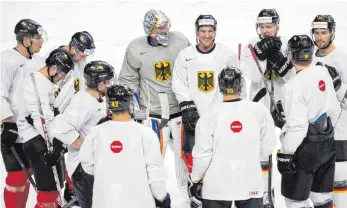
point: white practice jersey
(252, 72)
(195, 74)
(73, 83)
(307, 96)
(29, 106)
(125, 160)
(12, 64)
(82, 114)
(336, 58)
(230, 141)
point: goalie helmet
(84, 42)
(230, 81)
(157, 19)
(62, 59)
(300, 47)
(119, 98)
(98, 71)
(205, 20)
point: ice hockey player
(333, 58)
(230, 140)
(30, 36)
(123, 156)
(195, 74)
(307, 156)
(276, 70)
(81, 48)
(37, 93)
(147, 70)
(73, 125)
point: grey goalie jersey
(148, 70)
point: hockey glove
(285, 164)
(29, 120)
(166, 203)
(194, 191)
(56, 111)
(190, 114)
(278, 117)
(267, 45)
(9, 133)
(104, 119)
(280, 64)
(333, 74)
(52, 158)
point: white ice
(114, 24)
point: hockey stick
(49, 145)
(70, 202)
(23, 168)
(259, 95)
(165, 115)
(262, 76)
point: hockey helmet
(29, 28)
(230, 81)
(98, 71)
(301, 48)
(205, 20)
(62, 59)
(84, 42)
(119, 98)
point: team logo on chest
(162, 71)
(205, 81)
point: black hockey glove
(278, 117)
(104, 119)
(333, 74)
(29, 120)
(280, 64)
(52, 158)
(56, 111)
(285, 164)
(194, 191)
(9, 133)
(190, 114)
(166, 203)
(266, 46)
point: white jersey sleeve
(86, 153)
(11, 62)
(203, 148)
(45, 91)
(180, 85)
(267, 133)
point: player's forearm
(200, 167)
(158, 189)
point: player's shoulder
(12, 58)
(177, 35)
(145, 130)
(138, 43)
(188, 51)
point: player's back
(120, 166)
(240, 130)
(313, 87)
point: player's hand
(52, 158)
(285, 164)
(278, 116)
(333, 74)
(266, 46)
(165, 203)
(9, 133)
(190, 114)
(280, 64)
(194, 191)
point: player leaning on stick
(37, 98)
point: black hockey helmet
(205, 20)
(268, 16)
(323, 21)
(97, 71)
(62, 59)
(301, 48)
(84, 42)
(27, 27)
(118, 98)
(230, 80)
